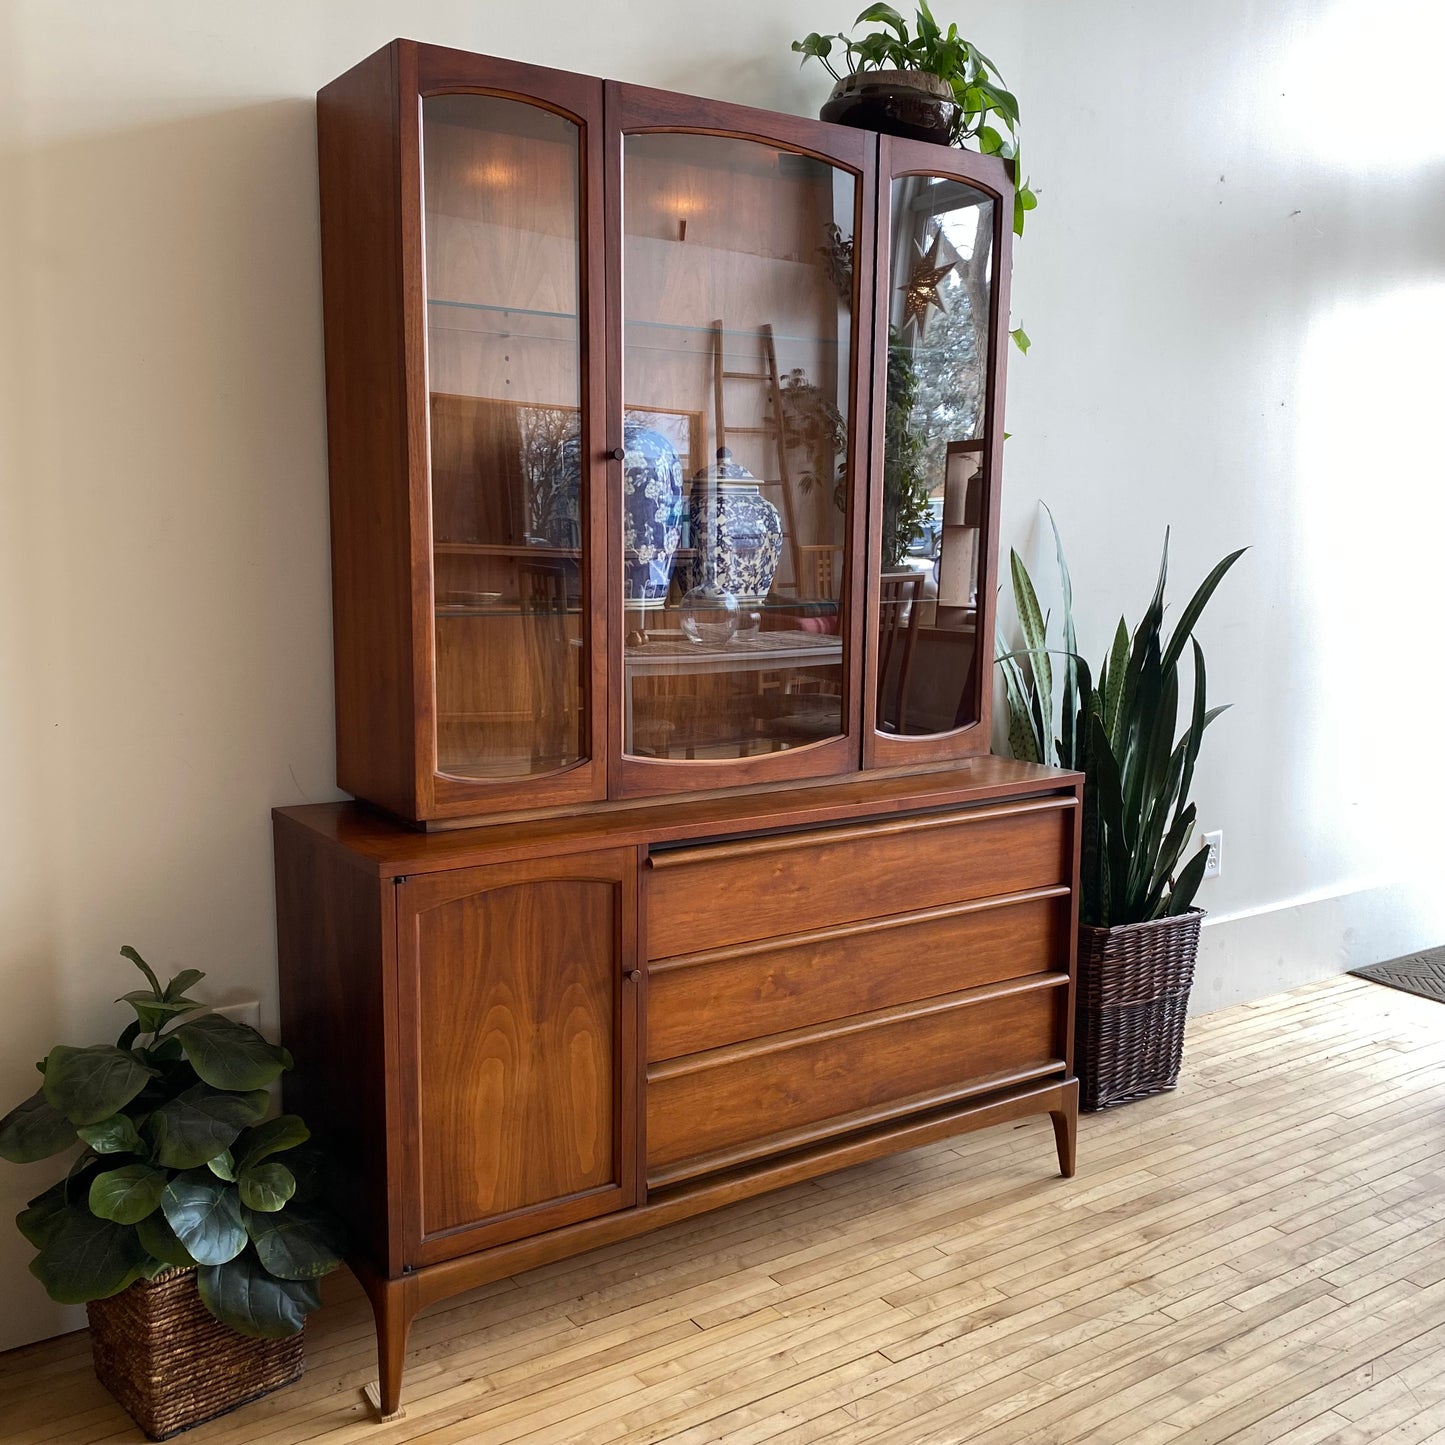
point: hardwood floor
(1258, 1257)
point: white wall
(1233, 290)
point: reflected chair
(899, 596)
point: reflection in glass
(934, 456)
(738, 328)
(508, 503)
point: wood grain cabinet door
(518, 1046)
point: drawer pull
(812, 838)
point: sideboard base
(396, 1302)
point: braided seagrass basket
(1133, 995)
(171, 1364)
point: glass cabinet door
(935, 455)
(738, 412)
(504, 224)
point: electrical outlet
(1214, 864)
(243, 1010)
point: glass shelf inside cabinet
(505, 322)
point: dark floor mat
(1421, 973)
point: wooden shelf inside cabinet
(504, 549)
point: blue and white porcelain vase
(652, 508)
(737, 535)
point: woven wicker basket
(171, 1364)
(1133, 996)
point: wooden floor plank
(1257, 1258)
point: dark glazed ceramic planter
(908, 103)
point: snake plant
(1120, 732)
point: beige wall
(1230, 294)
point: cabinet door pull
(618, 454)
(632, 975)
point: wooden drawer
(707, 897)
(699, 1001)
(713, 1110)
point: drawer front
(708, 897)
(710, 1111)
(704, 1000)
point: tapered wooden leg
(393, 1307)
(1066, 1128)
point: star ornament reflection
(920, 291)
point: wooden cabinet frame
(897, 158)
(373, 265)
(373, 244)
(806, 871)
(633, 110)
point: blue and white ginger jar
(737, 535)
(652, 508)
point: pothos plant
(988, 113)
(177, 1166)
(812, 424)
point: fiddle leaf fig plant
(176, 1166)
(988, 113)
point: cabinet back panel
(516, 1031)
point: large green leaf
(274, 1136)
(90, 1084)
(291, 1245)
(34, 1130)
(41, 1217)
(1068, 756)
(160, 1241)
(1181, 896)
(1035, 632)
(252, 1301)
(127, 1194)
(116, 1135)
(884, 15)
(1197, 723)
(1023, 742)
(86, 1258)
(1112, 684)
(1110, 803)
(128, 952)
(1196, 604)
(266, 1187)
(152, 1014)
(205, 1215)
(1167, 857)
(186, 978)
(1149, 798)
(229, 1055)
(202, 1122)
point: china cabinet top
(665, 439)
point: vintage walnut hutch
(665, 440)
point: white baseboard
(1261, 951)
